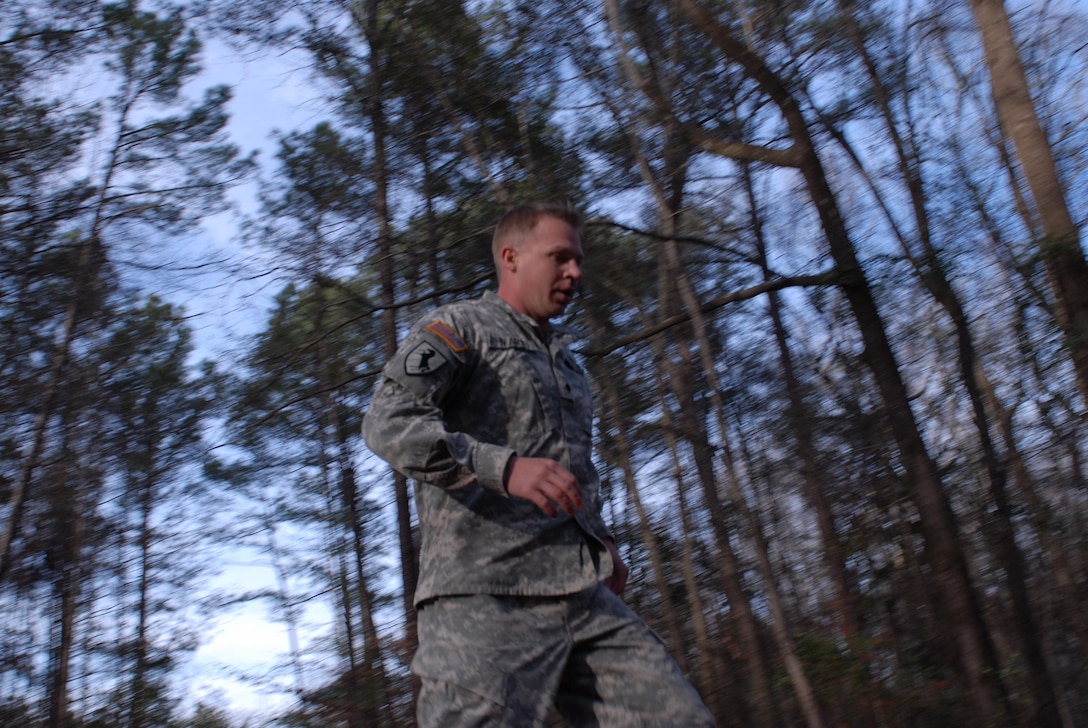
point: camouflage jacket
(473, 384)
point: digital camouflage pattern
(474, 383)
(586, 654)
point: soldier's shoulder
(458, 324)
(470, 314)
(460, 309)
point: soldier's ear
(509, 258)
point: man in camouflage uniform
(518, 606)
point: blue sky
(272, 92)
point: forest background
(836, 321)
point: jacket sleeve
(405, 424)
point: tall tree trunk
(437, 261)
(84, 298)
(365, 678)
(675, 158)
(1065, 582)
(353, 711)
(138, 702)
(1039, 513)
(669, 198)
(372, 646)
(367, 18)
(67, 584)
(67, 592)
(1060, 243)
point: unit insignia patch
(423, 359)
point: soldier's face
(546, 270)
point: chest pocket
(520, 375)
(575, 394)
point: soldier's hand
(544, 482)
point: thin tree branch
(819, 279)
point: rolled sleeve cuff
(491, 463)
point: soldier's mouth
(564, 296)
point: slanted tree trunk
(800, 683)
(689, 425)
(711, 680)
(87, 279)
(961, 608)
(800, 419)
(612, 412)
(927, 262)
(1059, 245)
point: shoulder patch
(423, 359)
(444, 332)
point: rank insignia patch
(448, 335)
(423, 359)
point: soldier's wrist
(507, 471)
(492, 465)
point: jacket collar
(557, 331)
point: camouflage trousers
(507, 661)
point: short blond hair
(518, 222)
